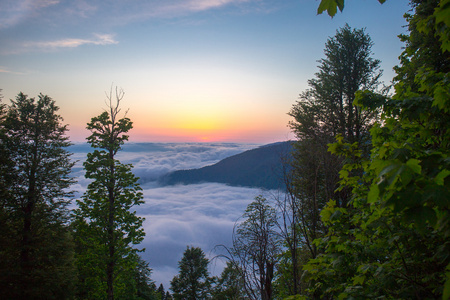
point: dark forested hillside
(260, 167)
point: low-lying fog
(201, 215)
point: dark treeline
(365, 214)
(47, 251)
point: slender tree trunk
(294, 256)
(111, 242)
(25, 257)
(268, 284)
(25, 264)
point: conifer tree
(36, 256)
(192, 281)
(106, 225)
(323, 112)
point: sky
(191, 70)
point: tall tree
(323, 112)
(230, 284)
(192, 281)
(392, 239)
(327, 107)
(161, 292)
(36, 258)
(145, 287)
(106, 224)
(256, 246)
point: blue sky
(192, 70)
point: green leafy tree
(107, 227)
(256, 246)
(230, 284)
(393, 238)
(323, 111)
(327, 107)
(36, 256)
(193, 281)
(289, 276)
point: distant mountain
(260, 167)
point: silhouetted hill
(260, 167)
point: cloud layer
(201, 215)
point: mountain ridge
(260, 168)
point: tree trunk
(25, 264)
(111, 242)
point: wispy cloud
(13, 12)
(57, 16)
(19, 47)
(16, 12)
(201, 5)
(83, 9)
(174, 8)
(7, 71)
(99, 39)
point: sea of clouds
(200, 215)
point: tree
(168, 296)
(392, 239)
(192, 281)
(5, 162)
(145, 287)
(36, 259)
(106, 226)
(256, 246)
(327, 109)
(161, 292)
(230, 284)
(324, 111)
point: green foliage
(106, 226)
(36, 257)
(192, 281)
(327, 108)
(256, 246)
(392, 240)
(145, 287)
(323, 112)
(284, 284)
(331, 6)
(230, 284)
(162, 294)
(438, 23)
